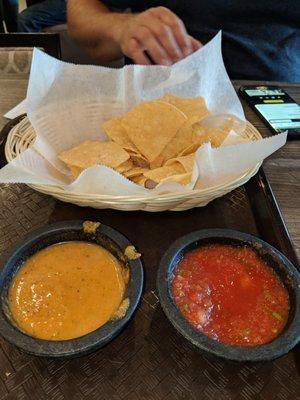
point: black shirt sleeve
(118, 4)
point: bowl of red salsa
(231, 294)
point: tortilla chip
(154, 142)
(151, 125)
(139, 161)
(115, 131)
(184, 137)
(187, 162)
(183, 179)
(190, 106)
(90, 153)
(76, 171)
(161, 173)
(158, 162)
(192, 148)
(202, 134)
(215, 136)
(135, 172)
(126, 166)
(139, 180)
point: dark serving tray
(148, 360)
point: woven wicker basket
(22, 136)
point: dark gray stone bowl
(284, 269)
(107, 237)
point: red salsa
(230, 294)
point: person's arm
(108, 35)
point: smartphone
(275, 107)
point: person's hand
(159, 33)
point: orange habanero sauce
(230, 294)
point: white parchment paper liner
(68, 103)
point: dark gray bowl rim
(84, 344)
(278, 347)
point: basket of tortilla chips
(152, 144)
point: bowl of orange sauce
(231, 294)
(69, 288)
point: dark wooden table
(148, 360)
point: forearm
(96, 28)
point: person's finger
(196, 45)
(153, 47)
(165, 37)
(177, 27)
(136, 52)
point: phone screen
(276, 106)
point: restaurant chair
(16, 49)
(1, 17)
(49, 42)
